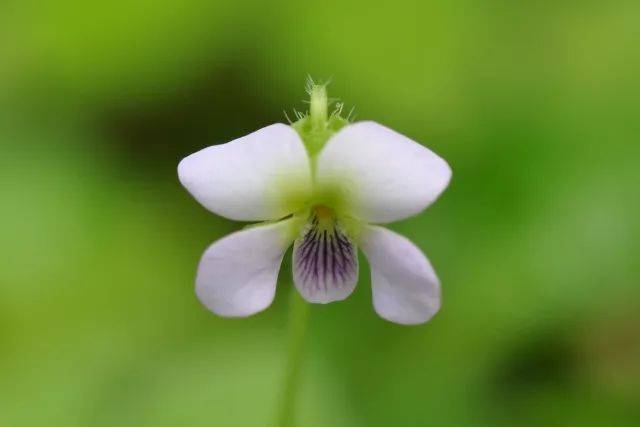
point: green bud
(317, 126)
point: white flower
(325, 201)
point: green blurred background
(537, 241)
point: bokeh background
(537, 240)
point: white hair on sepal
(300, 115)
(309, 84)
(337, 110)
(351, 117)
(287, 117)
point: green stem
(298, 317)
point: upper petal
(237, 274)
(264, 175)
(405, 288)
(383, 175)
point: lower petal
(405, 288)
(237, 274)
(325, 260)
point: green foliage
(536, 241)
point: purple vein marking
(324, 257)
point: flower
(321, 184)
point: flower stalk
(297, 328)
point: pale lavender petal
(263, 175)
(237, 274)
(384, 175)
(405, 288)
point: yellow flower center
(323, 212)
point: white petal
(405, 287)
(384, 175)
(237, 274)
(260, 176)
(325, 261)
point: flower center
(323, 213)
